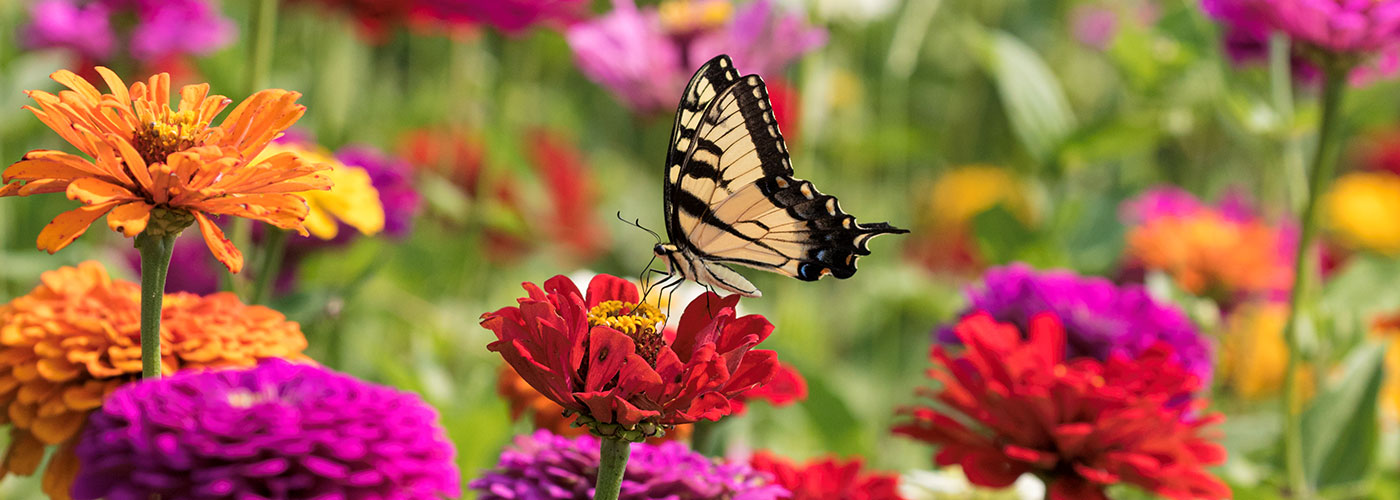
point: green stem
(612, 463)
(155, 263)
(273, 248)
(262, 30)
(1323, 164)
(1281, 86)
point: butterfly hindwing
(732, 198)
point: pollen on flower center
(638, 321)
(163, 136)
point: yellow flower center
(174, 133)
(681, 17)
(638, 321)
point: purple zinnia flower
(544, 466)
(275, 431)
(1100, 318)
(151, 30)
(390, 176)
(646, 64)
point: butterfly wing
(732, 197)
(713, 77)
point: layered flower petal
(603, 356)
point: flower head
(391, 178)
(76, 338)
(645, 56)
(544, 466)
(1363, 209)
(149, 30)
(150, 168)
(1366, 30)
(1223, 251)
(948, 208)
(828, 479)
(1100, 318)
(571, 193)
(1253, 352)
(351, 200)
(604, 356)
(1013, 403)
(299, 431)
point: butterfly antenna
(638, 224)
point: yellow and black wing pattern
(731, 198)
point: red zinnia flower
(1080, 424)
(602, 355)
(571, 191)
(827, 479)
(786, 387)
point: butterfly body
(731, 198)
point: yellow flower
(76, 337)
(152, 168)
(962, 193)
(1255, 353)
(693, 16)
(351, 199)
(1363, 208)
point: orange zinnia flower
(76, 338)
(156, 169)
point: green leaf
(1340, 427)
(1034, 100)
(1001, 237)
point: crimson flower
(827, 479)
(603, 356)
(786, 387)
(1009, 406)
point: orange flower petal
(24, 454)
(93, 191)
(34, 169)
(58, 428)
(68, 226)
(61, 472)
(129, 218)
(223, 248)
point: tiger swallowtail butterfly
(730, 197)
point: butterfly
(730, 197)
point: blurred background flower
(75, 339)
(1363, 210)
(827, 478)
(1225, 251)
(645, 56)
(153, 34)
(299, 430)
(543, 465)
(943, 240)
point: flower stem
(262, 30)
(611, 465)
(155, 263)
(1323, 164)
(274, 246)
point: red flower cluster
(570, 186)
(1080, 424)
(828, 479)
(602, 355)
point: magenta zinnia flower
(278, 430)
(544, 466)
(645, 59)
(1366, 29)
(150, 30)
(604, 356)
